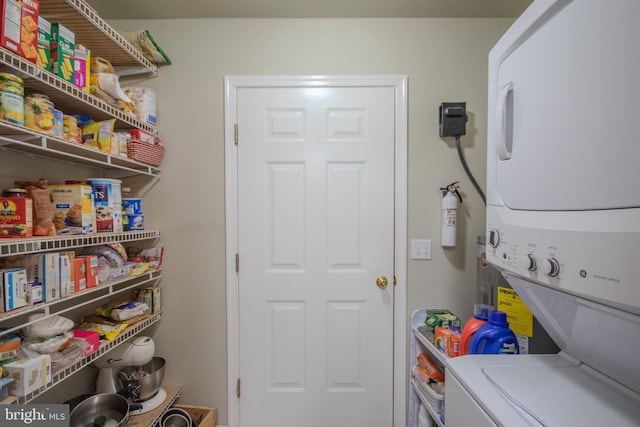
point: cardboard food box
(92, 270)
(44, 44)
(29, 30)
(90, 340)
(15, 289)
(16, 217)
(149, 296)
(73, 209)
(71, 287)
(9, 346)
(65, 275)
(28, 375)
(62, 51)
(50, 276)
(10, 14)
(80, 274)
(82, 67)
(4, 387)
(36, 293)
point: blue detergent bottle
(494, 337)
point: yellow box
(203, 416)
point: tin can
(14, 192)
(39, 114)
(11, 99)
(107, 198)
(69, 128)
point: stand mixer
(137, 352)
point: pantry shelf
(66, 96)
(28, 141)
(92, 31)
(69, 303)
(66, 372)
(10, 247)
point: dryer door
(563, 93)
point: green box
(44, 44)
(62, 51)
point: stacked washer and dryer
(563, 219)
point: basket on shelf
(428, 395)
(145, 152)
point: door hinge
(235, 133)
(238, 388)
(237, 263)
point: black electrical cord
(466, 169)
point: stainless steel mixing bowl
(148, 376)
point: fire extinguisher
(449, 214)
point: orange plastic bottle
(480, 317)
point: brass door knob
(382, 282)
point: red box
(92, 339)
(143, 135)
(80, 274)
(16, 217)
(92, 270)
(10, 13)
(29, 30)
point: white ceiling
(184, 9)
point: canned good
(14, 192)
(107, 198)
(69, 128)
(11, 99)
(39, 114)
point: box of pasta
(62, 51)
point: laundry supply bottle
(494, 337)
(480, 317)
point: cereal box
(29, 30)
(62, 51)
(10, 14)
(16, 217)
(82, 67)
(73, 208)
(44, 44)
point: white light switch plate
(420, 248)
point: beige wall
(444, 59)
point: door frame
(399, 83)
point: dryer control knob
(494, 238)
(528, 262)
(551, 267)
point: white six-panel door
(315, 236)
